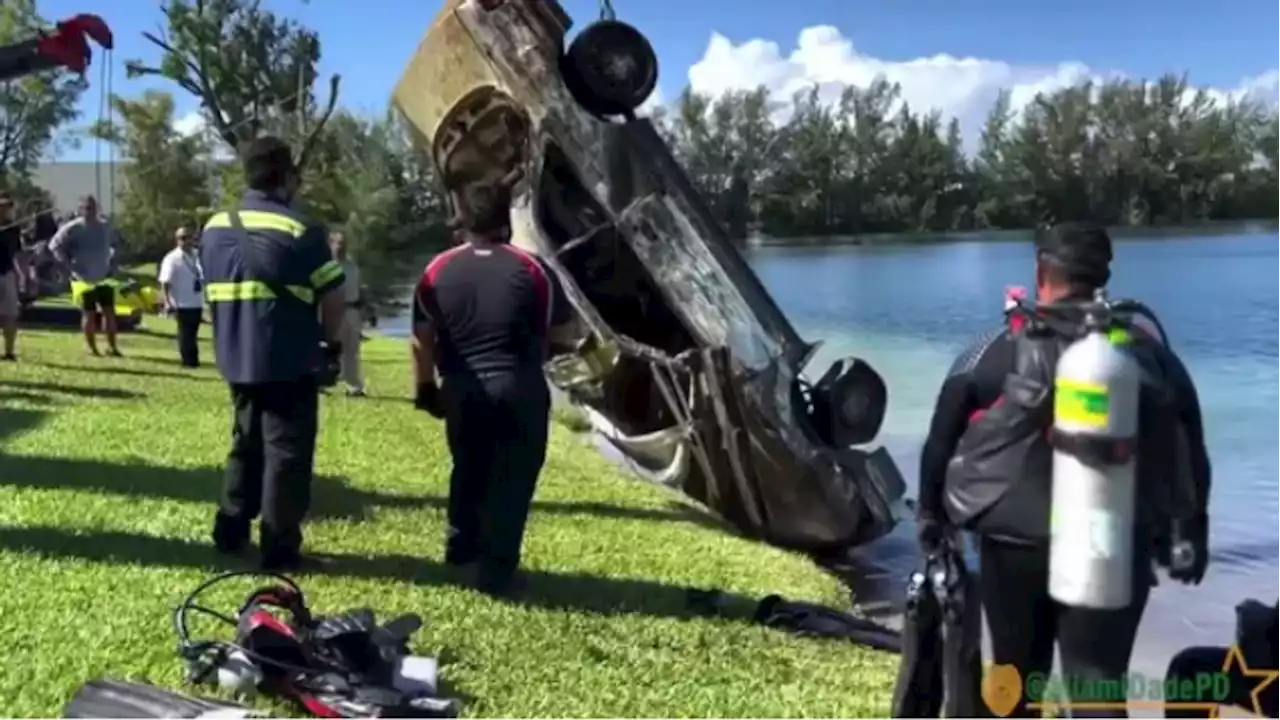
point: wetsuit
(1024, 621)
(491, 308)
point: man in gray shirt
(86, 244)
(352, 316)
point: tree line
(1122, 153)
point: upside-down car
(684, 361)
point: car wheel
(610, 68)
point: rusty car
(684, 363)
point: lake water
(908, 309)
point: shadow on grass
(106, 370)
(153, 333)
(7, 396)
(169, 361)
(675, 513)
(15, 421)
(76, 390)
(332, 498)
(555, 590)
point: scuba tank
(1094, 436)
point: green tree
(32, 108)
(253, 72)
(367, 179)
(1124, 152)
(166, 181)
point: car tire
(610, 68)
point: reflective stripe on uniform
(254, 289)
(251, 290)
(259, 220)
(325, 274)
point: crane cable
(97, 140)
(108, 62)
(106, 122)
(606, 10)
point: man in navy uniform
(267, 270)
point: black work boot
(282, 552)
(230, 536)
(499, 582)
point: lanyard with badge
(193, 267)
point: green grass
(108, 473)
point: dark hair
(482, 209)
(1077, 254)
(268, 163)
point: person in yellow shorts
(86, 245)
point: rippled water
(908, 309)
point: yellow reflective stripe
(219, 220)
(252, 290)
(234, 291)
(260, 220)
(305, 294)
(325, 274)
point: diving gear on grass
(343, 665)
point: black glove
(331, 365)
(930, 533)
(428, 400)
(332, 351)
(1195, 534)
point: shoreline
(1121, 232)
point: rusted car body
(684, 361)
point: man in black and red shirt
(485, 314)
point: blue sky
(1029, 45)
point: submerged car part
(683, 360)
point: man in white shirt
(353, 318)
(183, 283)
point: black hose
(192, 650)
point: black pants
(497, 430)
(189, 320)
(1025, 623)
(101, 298)
(1197, 667)
(273, 445)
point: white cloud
(964, 88)
(190, 124)
(194, 123)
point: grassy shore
(109, 468)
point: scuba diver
(998, 455)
